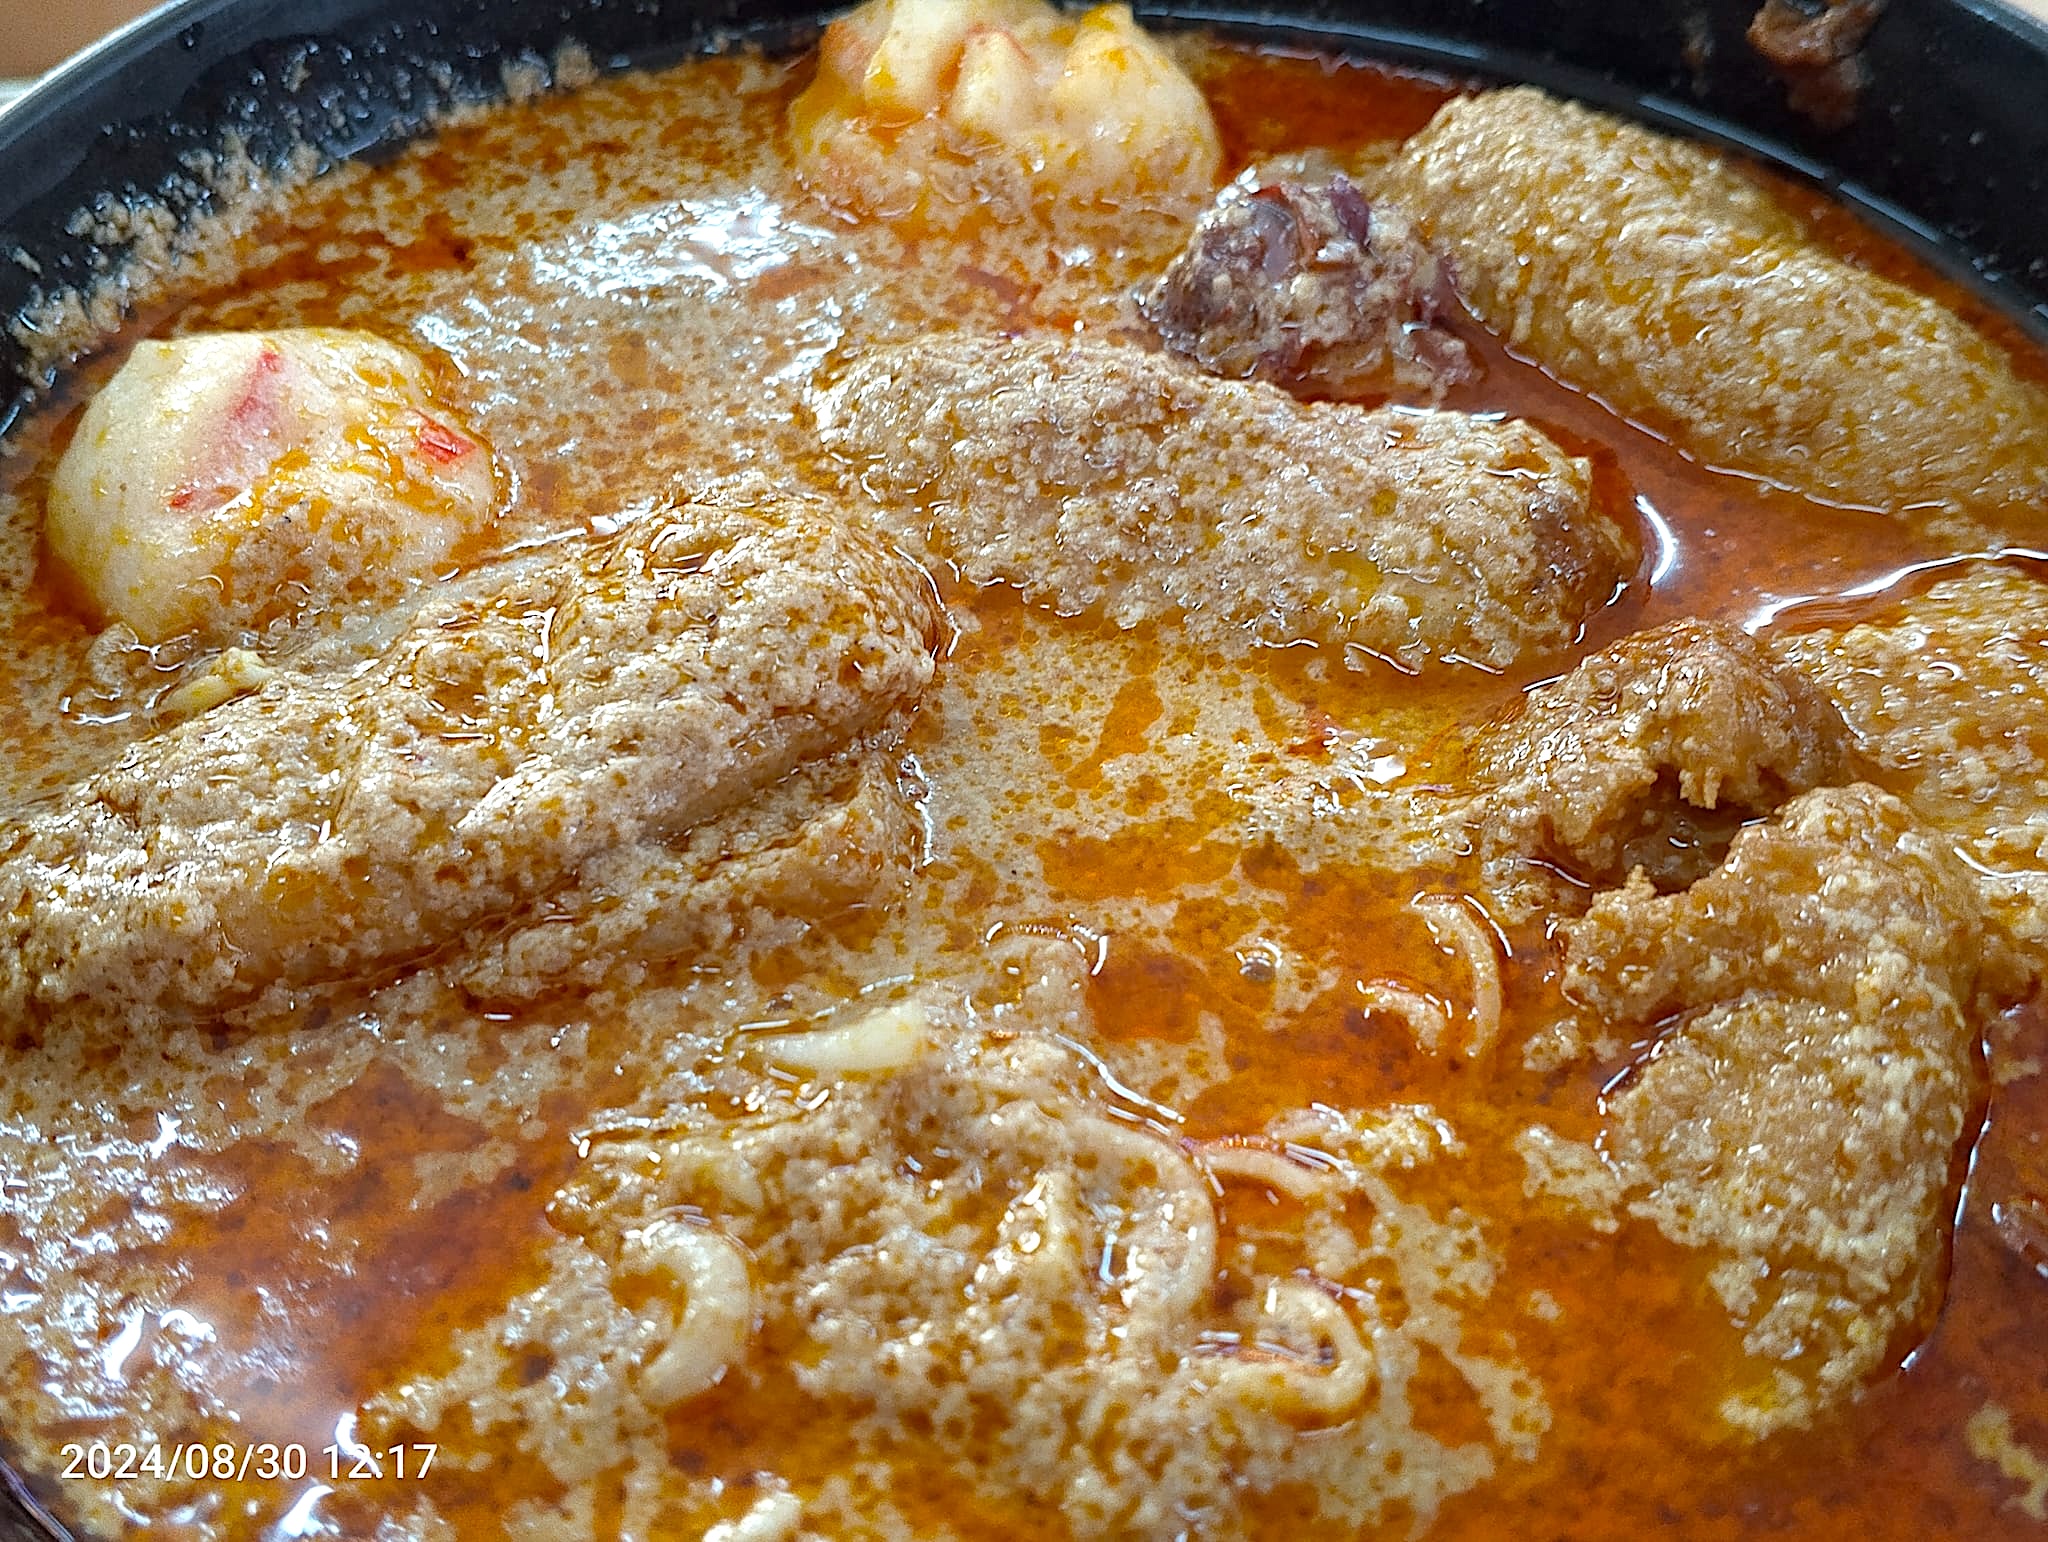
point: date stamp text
(243, 1462)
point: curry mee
(1027, 779)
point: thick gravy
(397, 1256)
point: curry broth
(626, 283)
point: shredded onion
(1256, 1162)
(718, 1307)
(1456, 926)
(887, 1039)
(1270, 1372)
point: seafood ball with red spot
(220, 483)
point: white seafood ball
(928, 107)
(224, 481)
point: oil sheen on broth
(1170, 1042)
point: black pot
(1948, 146)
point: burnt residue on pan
(1818, 54)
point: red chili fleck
(258, 407)
(442, 442)
(1322, 733)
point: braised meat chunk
(1652, 752)
(1313, 288)
(1802, 1119)
(1945, 696)
(1645, 270)
(1101, 477)
(552, 712)
(835, 837)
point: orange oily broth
(590, 270)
